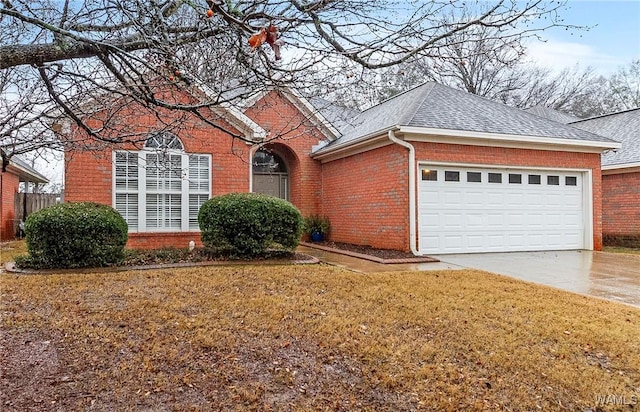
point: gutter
(412, 190)
(497, 138)
(621, 166)
(362, 140)
(460, 137)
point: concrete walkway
(612, 276)
(367, 266)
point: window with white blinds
(158, 191)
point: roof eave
(459, 137)
(357, 145)
(505, 140)
(25, 175)
(252, 130)
(631, 167)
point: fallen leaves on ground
(308, 338)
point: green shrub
(247, 224)
(317, 224)
(71, 235)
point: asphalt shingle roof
(432, 105)
(338, 116)
(552, 114)
(621, 126)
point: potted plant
(316, 227)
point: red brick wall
(366, 195)
(156, 240)
(366, 199)
(621, 204)
(292, 136)
(9, 183)
(88, 174)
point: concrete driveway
(613, 276)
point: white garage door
(463, 210)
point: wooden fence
(34, 202)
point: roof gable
(323, 114)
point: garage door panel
(454, 221)
(553, 200)
(517, 240)
(495, 198)
(515, 220)
(515, 199)
(453, 242)
(430, 221)
(430, 197)
(535, 220)
(452, 198)
(475, 242)
(495, 240)
(474, 199)
(431, 242)
(495, 220)
(535, 198)
(554, 239)
(553, 219)
(573, 220)
(536, 241)
(475, 221)
(572, 198)
(544, 211)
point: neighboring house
(17, 172)
(620, 175)
(432, 170)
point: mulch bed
(367, 252)
(174, 258)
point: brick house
(432, 170)
(17, 172)
(620, 175)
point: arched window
(161, 188)
(268, 162)
(163, 140)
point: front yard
(309, 338)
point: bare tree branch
(84, 62)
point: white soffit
(502, 140)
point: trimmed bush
(71, 235)
(247, 224)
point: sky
(612, 40)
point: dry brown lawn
(9, 250)
(309, 337)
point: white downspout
(412, 191)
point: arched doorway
(270, 174)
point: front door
(272, 184)
(270, 175)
